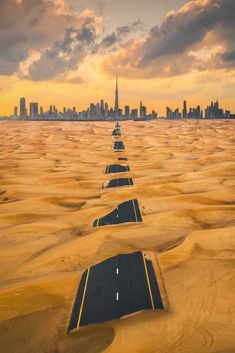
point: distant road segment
(125, 212)
(116, 183)
(118, 145)
(117, 168)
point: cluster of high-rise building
(215, 112)
(173, 114)
(211, 112)
(102, 111)
(95, 111)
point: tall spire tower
(116, 98)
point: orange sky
(156, 93)
(73, 61)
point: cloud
(27, 26)
(228, 56)
(167, 50)
(65, 55)
(47, 39)
(120, 34)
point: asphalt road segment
(117, 133)
(122, 159)
(114, 288)
(118, 145)
(126, 212)
(117, 168)
(123, 284)
(116, 183)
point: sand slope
(50, 193)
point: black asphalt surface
(118, 145)
(117, 132)
(116, 183)
(122, 159)
(123, 284)
(126, 212)
(116, 287)
(117, 168)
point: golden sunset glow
(70, 55)
(117, 187)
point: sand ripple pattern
(50, 193)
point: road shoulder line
(83, 298)
(148, 282)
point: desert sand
(51, 180)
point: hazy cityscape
(117, 178)
(102, 111)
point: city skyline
(162, 51)
(102, 110)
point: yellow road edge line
(83, 298)
(135, 211)
(148, 281)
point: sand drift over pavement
(51, 179)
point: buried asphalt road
(118, 145)
(122, 159)
(126, 212)
(116, 183)
(116, 287)
(117, 133)
(117, 168)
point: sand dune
(51, 181)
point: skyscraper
(168, 113)
(106, 110)
(102, 108)
(15, 111)
(134, 113)
(141, 109)
(33, 110)
(185, 113)
(23, 113)
(97, 110)
(116, 99)
(127, 112)
(144, 112)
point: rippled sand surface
(50, 193)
